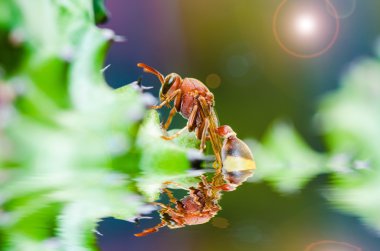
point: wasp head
(173, 79)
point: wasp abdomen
(237, 159)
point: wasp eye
(169, 81)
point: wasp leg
(175, 135)
(204, 105)
(192, 121)
(204, 135)
(166, 208)
(213, 124)
(218, 181)
(177, 107)
(167, 100)
(172, 199)
(193, 192)
(199, 129)
(207, 186)
(160, 204)
(173, 111)
(151, 230)
(204, 180)
(190, 124)
(175, 184)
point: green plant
(349, 120)
(74, 151)
(78, 150)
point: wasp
(194, 101)
(198, 207)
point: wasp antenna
(151, 230)
(152, 70)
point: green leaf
(101, 14)
(350, 116)
(70, 134)
(87, 88)
(285, 160)
(159, 156)
(350, 119)
(161, 160)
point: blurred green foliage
(77, 151)
(349, 119)
(74, 151)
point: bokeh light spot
(329, 245)
(344, 8)
(306, 25)
(213, 80)
(297, 20)
(238, 65)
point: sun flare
(306, 25)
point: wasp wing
(209, 113)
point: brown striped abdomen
(238, 162)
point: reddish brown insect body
(197, 208)
(193, 100)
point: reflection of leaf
(286, 160)
(358, 194)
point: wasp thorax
(226, 131)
